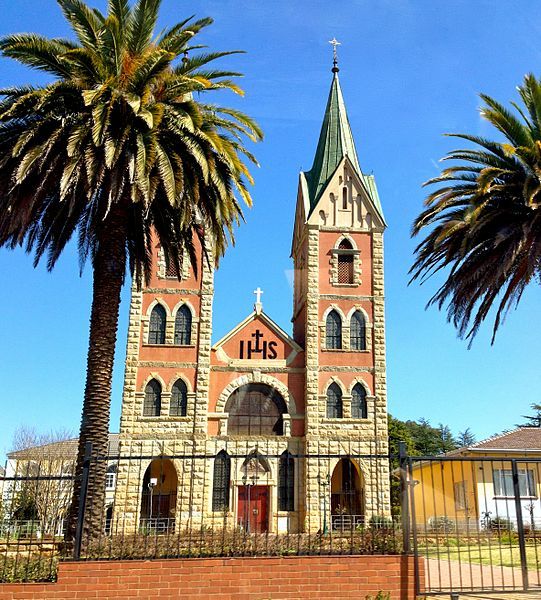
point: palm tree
(115, 148)
(484, 219)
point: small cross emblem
(258, 304)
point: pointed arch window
(333, 331)
(153, 399)
(334, 402)
(156, 330)
(345, 262)
(358, 331)
(183, 326)
(178, 406)
(344, 198)
(359, 409)
(220, 481)
(286, 482)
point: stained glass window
(255, 409)
(178, 406)
(153, 399)
(334, 401)
(156, 330)
(333, 332)
(358, 331)
(183, 326)
(220, 481)
(359, 410)
(286, 482)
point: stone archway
(347, 496)
(159, 497)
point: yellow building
(473, 487)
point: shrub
(500, 524)
(441, 524)
(380, 522)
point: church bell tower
(338, 309)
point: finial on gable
(334, 42)
(258, 306)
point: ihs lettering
(261, 348)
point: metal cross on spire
(258, 304)
(334, 42)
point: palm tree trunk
(109, 266)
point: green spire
(335, 142)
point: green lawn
(496, 555)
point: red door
(253, 508)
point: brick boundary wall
(226, 579)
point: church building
(263, 430)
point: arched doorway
(159, 497)
(253, 494)
(347, 496)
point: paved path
(452, 575)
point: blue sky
(410, 70)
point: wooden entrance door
(253, 508)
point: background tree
(114, 149)
(483, 220)
(465, 438)
(48, 461)
(532, 420)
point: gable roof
(66, 449)
(265, 319)
(335, 142)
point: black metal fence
(473, 524)
(200, 499)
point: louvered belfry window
(183, 326)
(255, 409)
(345, 263)
(156, 330)
(359, 410)
(220, 481)
(333, 331)
(171, 271)
(334, 401)
(153, 399)
(358, 331)
(286, 482)
(178, 406)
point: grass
(491, 554)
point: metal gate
(472, 523)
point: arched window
(183, 326)
(359, 410)
(156, 330)
(358, 331)
(286, 482)
(220, 481)
(344, 197)
(153, 399)
(345, 262)
(178, 406)
(255, 409)
(334, 401)
(333, 331)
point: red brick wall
(335, 577)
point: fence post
(520, 526)
(404, 496)
(82, 502)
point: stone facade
(338, 475)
